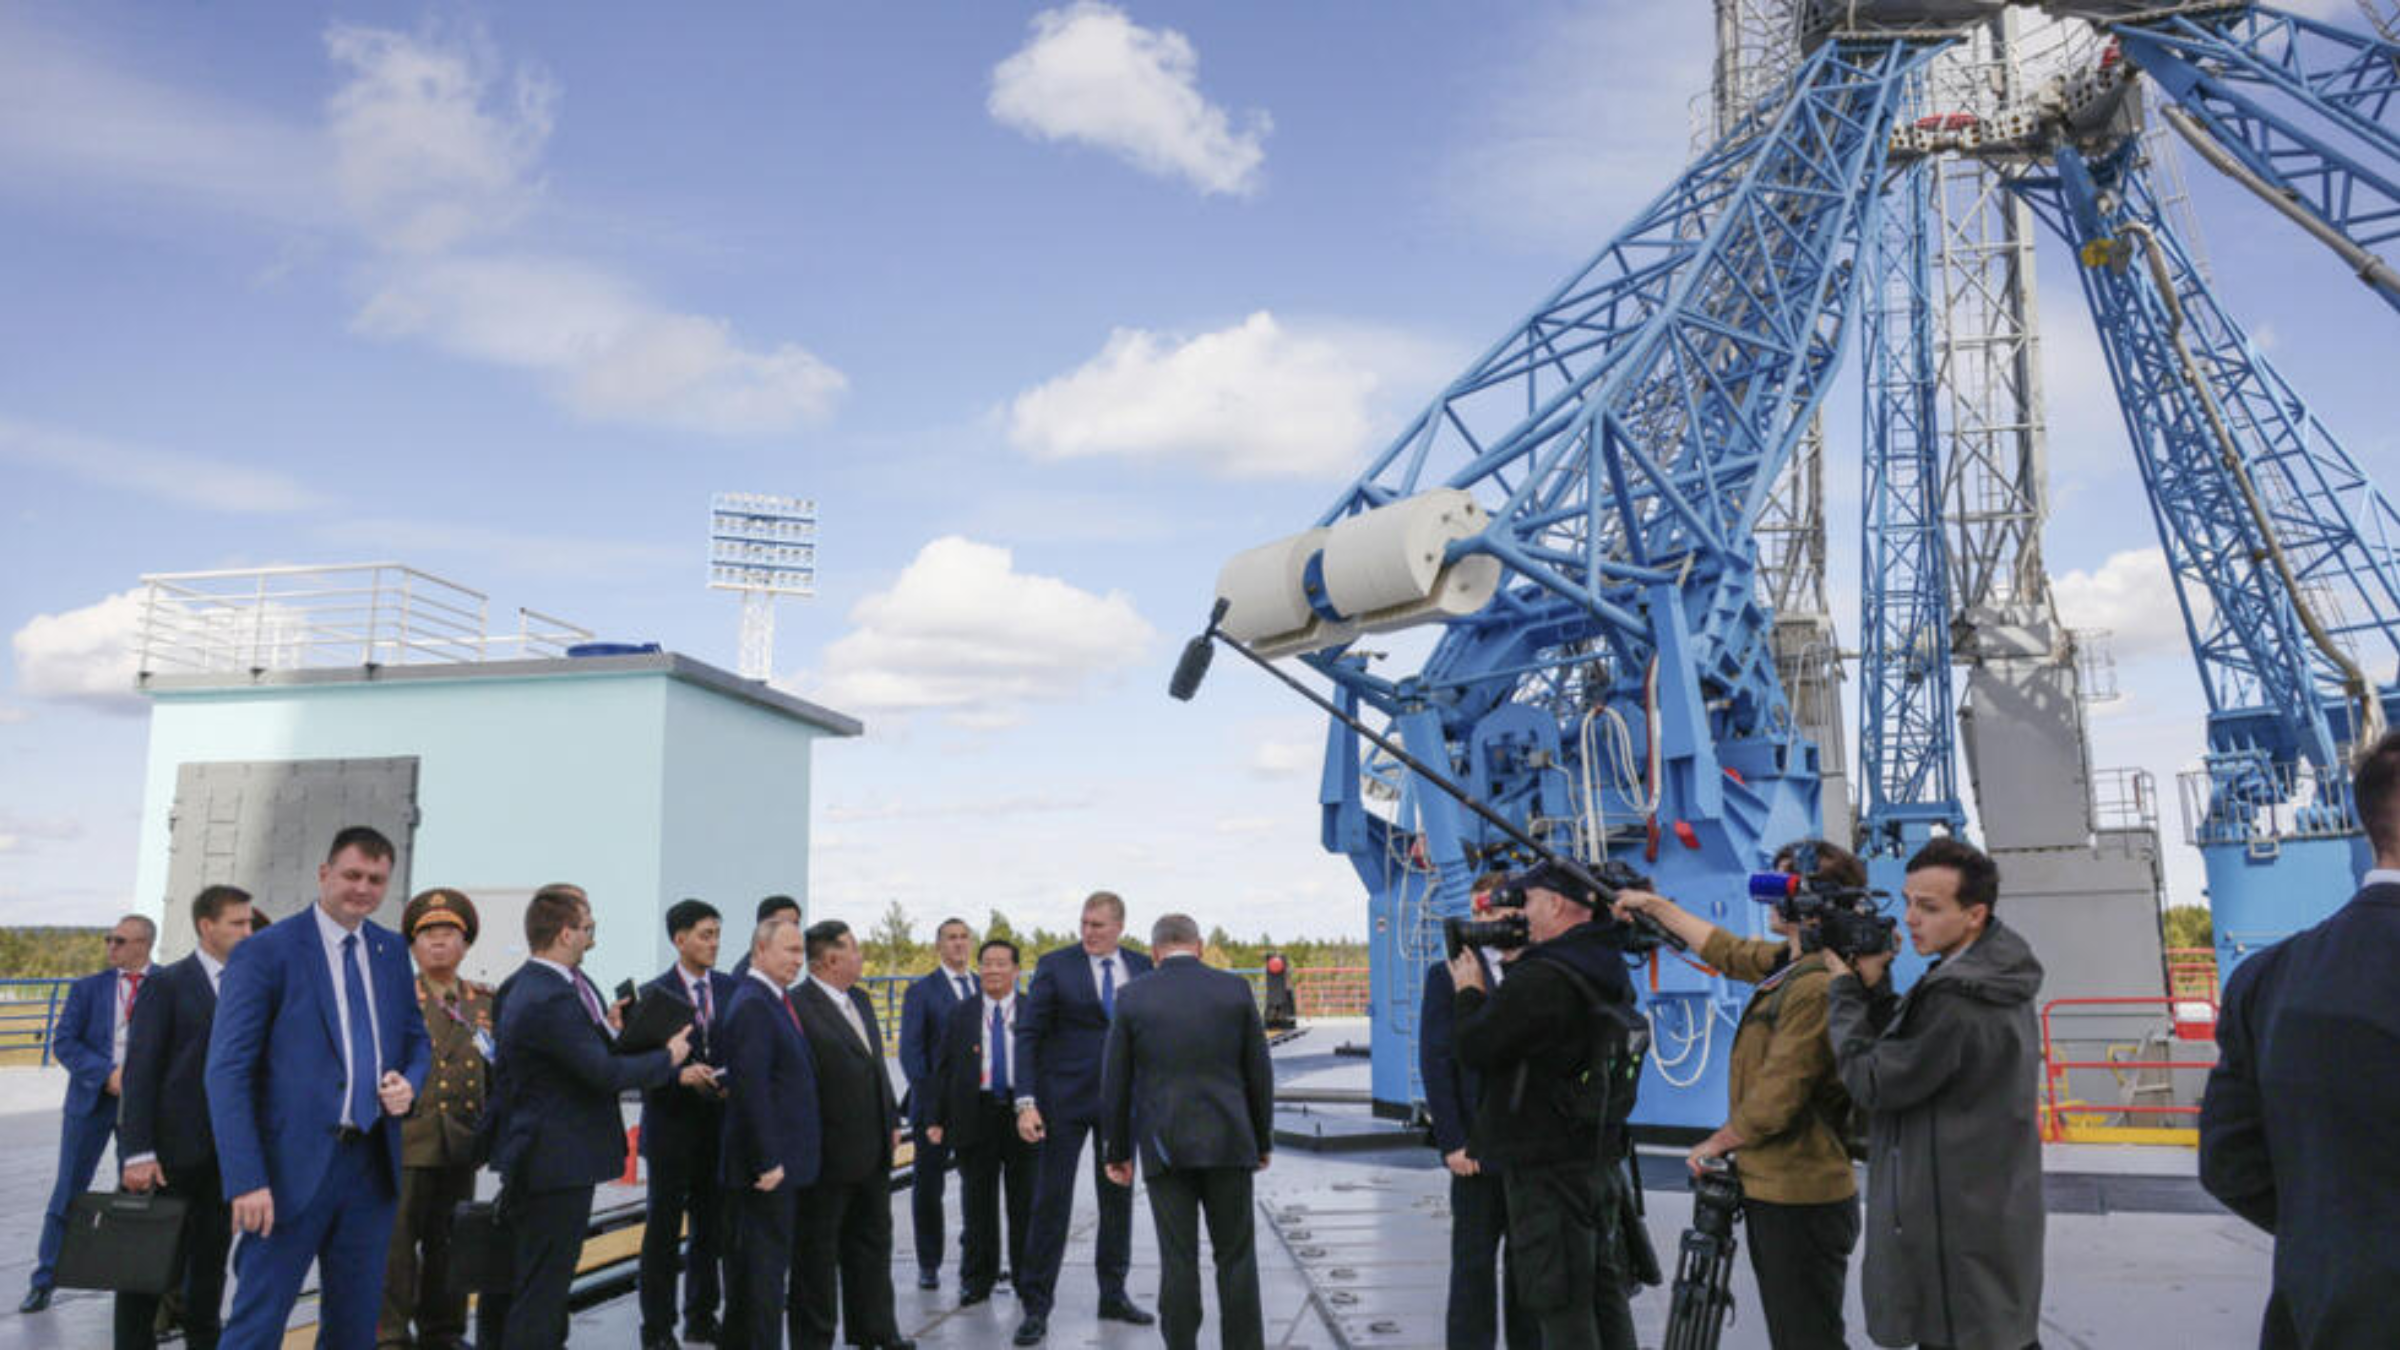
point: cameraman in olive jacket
(1531, 1042)
(1786, 1110)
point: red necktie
(133, 990)
(794, 1014)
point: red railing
(2192, 972)
(2055, 1070)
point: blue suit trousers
(346, 1231)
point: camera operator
(1551, 1117)
(1786, 1109)
(1948, 1075)
(1474, 1319)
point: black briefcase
(122, 1241)
(480, 1260)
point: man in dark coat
(1186, 1075)
(923, 1013)
(1948, 1076)
(971, 1110)
(163, 1129)
(681, 1125)
(771, 1142)
(2297, 1129)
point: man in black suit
(1060, 1037)
(163, 1129)
(970, 1109)
(681, 1123)
(773, 907)
(771, 1144)
(845, 1224)
(923, 1013)
(559, 1130)
(2296, 1125)
(1187, 1076)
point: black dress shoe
(659, 1340)
(929, 1279)
(1122, 1309)
(36, 1300)
(968, 1298)
(702, 1330)
(1032, 1329)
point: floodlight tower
(762, 547)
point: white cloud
(1256, 400)
(14, 716)
(427, 150)
(85, 655)
(1284, 759)
(2132, 597)
(1088, 73)
(961, 632)
(191, 480)
(17, 832)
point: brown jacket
(440, 1129)
(1787, 1102)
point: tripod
(1704, 1262)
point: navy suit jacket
(1451, 1088)
(275, 1057)
(671, 1113)
(923, 1013)
(1187, 1073)
(558, 1084)
(2296, 1126)
(1062, 1033)
(166, 1070)
(84, 1039)
(772, 1118)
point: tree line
(892, 946)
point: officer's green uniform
(437, 1146)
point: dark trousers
(82, 1138)
(420, 1307)
(1801, 1254)
(1566, 1254)
(345, 1232)
(549, 1228)
(1000, 1164)
(1054, 1208)
(758, 1265)
(1179, 1196)
(1480, 1302)
(683, 1184)
(842, 1250)
(207, 1236)
(926, 1177)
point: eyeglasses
(115, 941)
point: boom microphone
(1197, 653)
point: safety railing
(28, 1010)
(2192, 973)
(2124, 799)
(2265, 804)
(2066, 1120)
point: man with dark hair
(438, 1154)
(1187, 1084)
(1948, 1076)
(771, 1147)
(559, 1132)
(309, 1141)
(681, 1125)
(1061, 1036)
(1787, 1110)
(773, 907)
(970, 1109)
(923, 1013)
(163, 1142)
(1474, 1317)
(89, 1041)
(2296, 1124)
(844, 1230)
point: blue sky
(1051, 309)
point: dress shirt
(121, 1021)
(695, 988)
(2380, 876)
(842, 1001)
(962, 983)
(1116, 958)
(214, 968)
(332, 932)
(1494, 968)
(575, 980)
(1008, 1018)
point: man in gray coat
(1949, 1077)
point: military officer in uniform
(437, 1142)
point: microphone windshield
(1192, 669)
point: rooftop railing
(253, 620)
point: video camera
(1510, 932)
(1846, 920)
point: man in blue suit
(772, 1144)
(89, 1039)
(318, 1045)
(1062, 1033)
(162, 1141)
(681, 1124)
(923, 1015)
(2296, 1125)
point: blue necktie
(999, 1056)
(1108, 986)
(363, 1068)
(962, 987)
